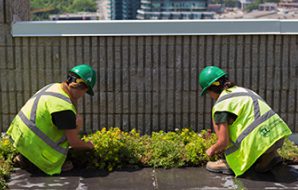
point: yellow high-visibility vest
(33, 133)
(256, 128)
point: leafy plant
(289, 152)
(115, 148)
(196, 146)
(7, 152)
(166, 150)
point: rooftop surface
(281, 177)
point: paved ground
(282, 177)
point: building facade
(124, 9)
(103, 9)
(174, 9)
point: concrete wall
(148, 83)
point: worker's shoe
(267, 163)
(219, 166)
(20, 161)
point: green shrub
(7, 152)
(114, 148)
(289, 152)
(166, 150)
(196, 146)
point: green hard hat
(209, 75)
(88, 75)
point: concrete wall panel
(148, 83)
(151, 78)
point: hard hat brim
(203, 92)
(90, 91)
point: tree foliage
(255, 4)
(41, 9)
(83, 6)
(227, 3)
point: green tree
(227, 3)
(231, 3)
(253, 6)
(83, 6)
(256, 3)
(41, 9)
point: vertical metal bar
(171, 82)
(113, 81)
(117, 82)
(196, 54)
(166, 87)
(125, 107)
(270, 70)
(15, 77)
(255, 65)
(181, 78)
(175, 83)
(105, 39)
(189, 110)
(129, 120)
(91, 99)
(137, 85)
(2, 11)
(143, 91)
(159, 83)
(293, 54)
(203, 64)
(121, 83)
(284, 90)
(262, 66)
(152, 58)
(96, 119)
(277, 74)
(7, 10)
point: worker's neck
(213, 95)
(68, 91)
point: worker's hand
(210, 152)
(79, 121)
(91, 145)
(75, 141)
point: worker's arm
(71, 124)
(222, 133)
(73, 138)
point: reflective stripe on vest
(31, 123)
(257, 121)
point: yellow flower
(5, 142)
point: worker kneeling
(248, 130)
(48, 123)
